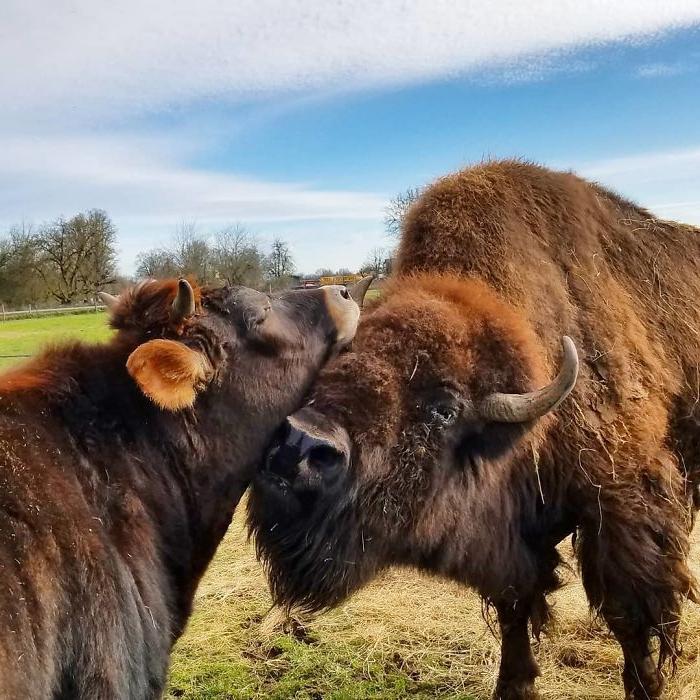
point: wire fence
(30, 311)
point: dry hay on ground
(405, 635)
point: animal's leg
(624, 614)
(636, 577)
(518, 671)
(633, 550)
(641, 675)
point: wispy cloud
(97, 57)
(648, 167)
(144, 186)
(533, 70)
(41, 174)
(662, 70)
(80, 77)
(666, 182)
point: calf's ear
(169, 373)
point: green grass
(235, 648)
(27, 336)
(404, 636)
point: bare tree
(237, 257)
(395, 211)
(193, 254)
(156, 264)
(280, 264)
(378, 262)
(76, 257)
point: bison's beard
(315, 555)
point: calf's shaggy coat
(386, 466)
(110, 506)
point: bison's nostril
(282, 433)
(283, 461)
(323, 457)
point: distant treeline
(67, 261)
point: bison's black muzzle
(303, 461)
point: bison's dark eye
(442, 406)
(344, 293)
(444, 416)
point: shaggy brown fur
(111, 508)
(496, 264)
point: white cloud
(71, 67)
(148, 191)
(666, 182)
(661, 70)
(129, 173)
(648, 168)
(108, 58)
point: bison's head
(389, 461)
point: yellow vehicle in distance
(339, 279)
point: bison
(121, 465)
(435, 444)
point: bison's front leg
(518, 671)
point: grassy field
(404, 636)
(26, 336)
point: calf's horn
(359, 289)
(520, 408)
(183, 304)
(109, 300)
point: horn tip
(184, 302)
(570, 364)
(569, 348)
(109, 300)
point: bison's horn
(520, 408)
(183, 304)
(359, 289)
(109, 300)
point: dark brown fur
(111, 508)
(496, 264)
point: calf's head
(230, 349)
(441, 393)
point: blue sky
(301, 119)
